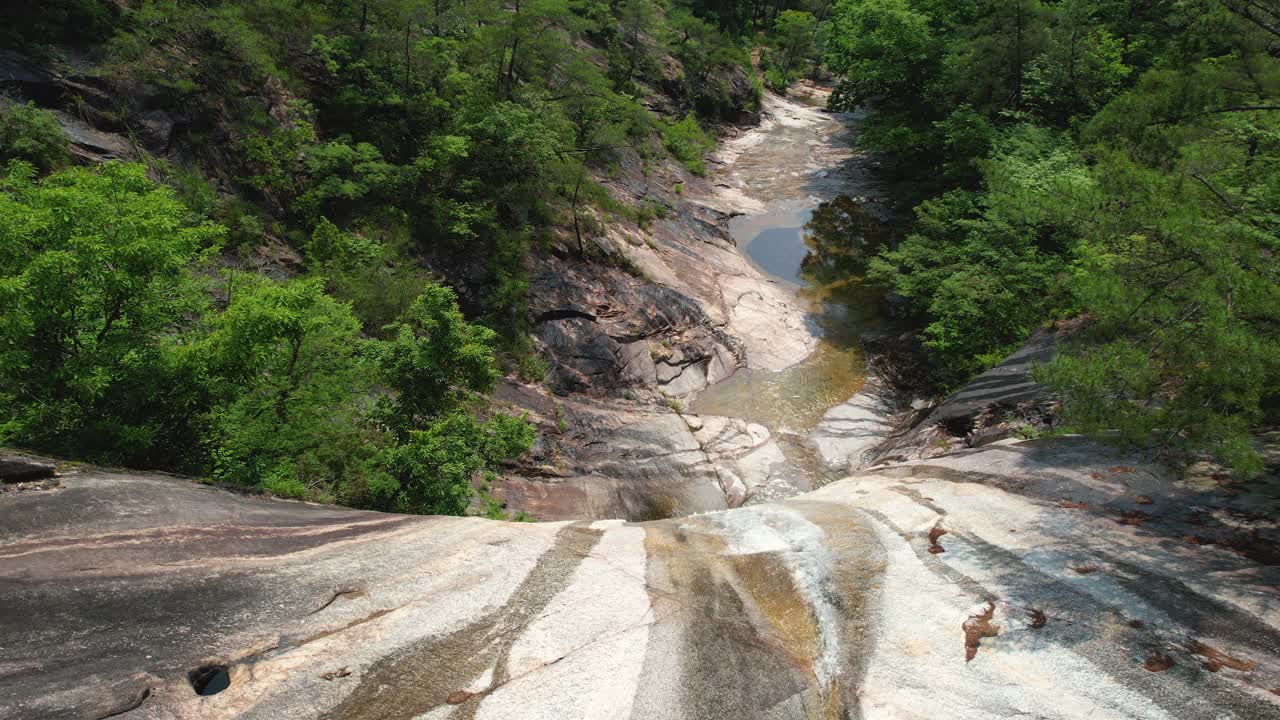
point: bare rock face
(700, 312)
(676, 289)
(882, 423)
(102, 117)
(1048, 578)
(635, 461)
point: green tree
(434, 470)
(983, 270)
(95, 284)
(880, 48)
(435, 362)
(31, 134)
(794, 32)
(1082, 66)
(439, 367)
(990, 51)
(688, 142)
(284, 367)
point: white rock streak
(581, 659)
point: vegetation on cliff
(409, 154)
(1109, 159)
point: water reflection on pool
(817, 249)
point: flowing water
(816, 213)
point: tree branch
(1222, 198)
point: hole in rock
(959, 426)
(209, 679)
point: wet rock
(848, 434)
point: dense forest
(1113, 161)
(1110, 163)
(411, 151)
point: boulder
(1008, 383)
(19, 467)
(991, 407)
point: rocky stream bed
(697, 387)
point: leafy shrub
(688, 142)
(285, 367)
(777, 80)
(94, 281)
(31, 134)
(435, 466)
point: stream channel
(812, 201)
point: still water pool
(817, 249)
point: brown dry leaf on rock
(457, 697)
(977, 627)
(934, 534)
(1038, 618)
(1215, 659)
(1158, 662)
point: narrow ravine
(803, 192)
(701, 385)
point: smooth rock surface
(630, 460)
(1010, 581)
(849, 432)
(1008, 383)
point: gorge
(1044, 578)
(642, 359)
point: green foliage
(983, 270)
(532, 367)
(688, 142)
(966, 138)
(1150, 208)
(33, 26)
(1185, 296)
(93, 279)
(284, 364)
(435, 361)
(434, 468)
(379, 292)
(33, 135)
(794, 33)
(468, 120)
(880, 48)
(332, 248)
(113, 351)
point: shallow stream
(816, 205)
